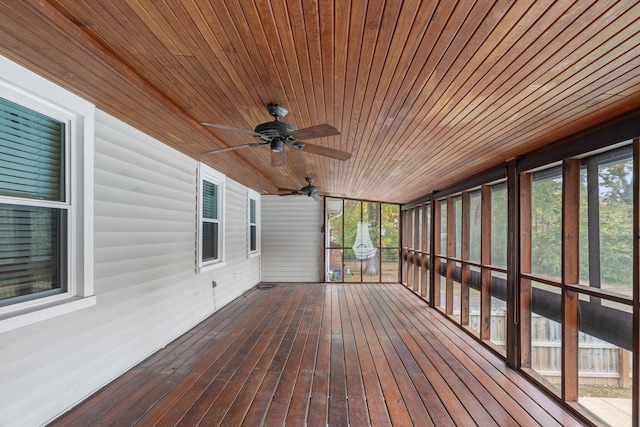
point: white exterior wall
(292, 240)
(146, 285)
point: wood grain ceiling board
(425, 93)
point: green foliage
(352, 216)
(614, 217)
(475, 232)
(390, 232)
(616, 181)
(546, 226)
(499, 226)
(383, 220)
(616, 225)
(616, 243)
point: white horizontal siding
(291, 239)
(147, 288)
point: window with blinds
(210, 218)
(253, 221)
(210, 221)
(33, 208)
(253, 228)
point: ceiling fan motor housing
(275, 133)
(309, 190)
(274, 129)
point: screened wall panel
(567, 319)
(362, 242)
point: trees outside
(616, 225)
(609, 191)
(546, 223)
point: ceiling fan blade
(288, 190)
(326, 151)
(236, 147)
(317, 131)
(225, 127)
(278, 158)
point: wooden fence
(600, 363)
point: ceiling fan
(279, 134)
(308, 190)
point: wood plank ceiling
(425, 93)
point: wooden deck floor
(316, 354)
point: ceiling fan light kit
(277, 146)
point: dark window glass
(253, 241)
(209, 241)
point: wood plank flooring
(317, 355)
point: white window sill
(210, 267)
(37, 314)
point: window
(46, 145)
(253, 221)
(34, 215)
(210, 218)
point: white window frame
(19, 85)
(206, 173)
(255, 196)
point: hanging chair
(363, 246)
